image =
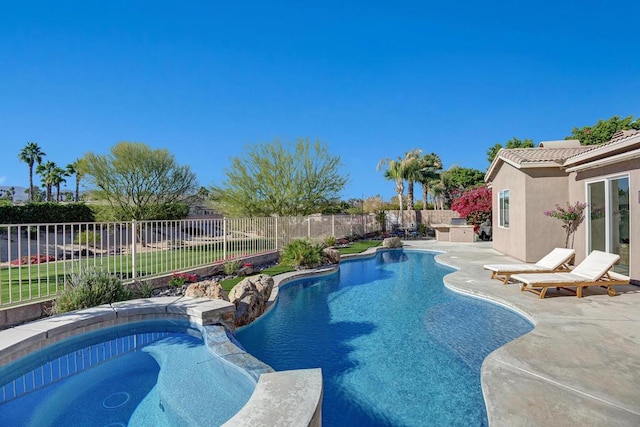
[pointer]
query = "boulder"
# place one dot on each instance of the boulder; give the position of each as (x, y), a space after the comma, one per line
(330, 256)
(392, 242)
(250, 298)
(245, 270)
(206, 289)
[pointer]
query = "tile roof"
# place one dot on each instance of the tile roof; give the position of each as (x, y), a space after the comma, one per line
(563, 156)
(522, 156)
(622, 135)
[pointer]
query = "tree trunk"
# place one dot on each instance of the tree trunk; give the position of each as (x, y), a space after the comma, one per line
(425, 193)
(31, 183)
(410, 196)
(400, 204)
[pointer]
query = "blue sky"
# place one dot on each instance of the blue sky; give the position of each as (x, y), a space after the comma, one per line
(371, 79)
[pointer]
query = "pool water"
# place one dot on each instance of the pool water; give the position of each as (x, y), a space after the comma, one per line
(143, 374)
(395, 346)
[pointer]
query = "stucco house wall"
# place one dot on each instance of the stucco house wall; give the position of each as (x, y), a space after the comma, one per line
(509, 240)
(531, 234)
(544, 189)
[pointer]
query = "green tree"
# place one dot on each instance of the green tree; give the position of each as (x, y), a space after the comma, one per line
(204, 193)
(57, 178)
(457, 179)
(8, 194)
(428, 173)
(138, 180)
(35, 194)
(396, 172)
(77, 169)
(373, 204)
(337, 206)
(603, 130)
(412, 168)
(299, 178)
(437, 190)
(512, 143)
(47, 172)
(31, 154)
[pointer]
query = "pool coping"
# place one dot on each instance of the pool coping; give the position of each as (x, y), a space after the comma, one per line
(20, 340)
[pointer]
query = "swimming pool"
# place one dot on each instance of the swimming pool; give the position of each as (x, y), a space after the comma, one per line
(158, 373)
(395, 346)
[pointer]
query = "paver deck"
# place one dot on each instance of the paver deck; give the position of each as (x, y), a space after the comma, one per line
(579, 366)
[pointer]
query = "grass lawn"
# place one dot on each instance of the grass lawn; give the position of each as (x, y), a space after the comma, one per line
(28, 282)
(358, 247)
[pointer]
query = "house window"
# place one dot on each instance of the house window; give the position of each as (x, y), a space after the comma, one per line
(608, 219)
(503, 209)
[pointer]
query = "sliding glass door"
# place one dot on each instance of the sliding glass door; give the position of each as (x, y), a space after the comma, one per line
(608, 218)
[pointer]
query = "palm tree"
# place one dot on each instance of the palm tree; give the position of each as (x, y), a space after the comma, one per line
(412, 166)
(428, 172)
(438, 191)
(76, 169)
(46, 172)
(58, 177)
(8, 194)
(396, 172)
(31, 154)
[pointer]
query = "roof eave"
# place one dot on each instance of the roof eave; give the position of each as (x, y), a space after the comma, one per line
(629, 155)
(543, 164)
(524, 165)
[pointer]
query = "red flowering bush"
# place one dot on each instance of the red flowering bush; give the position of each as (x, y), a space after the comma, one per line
(33, 259)
(474, 205)
(179, 279)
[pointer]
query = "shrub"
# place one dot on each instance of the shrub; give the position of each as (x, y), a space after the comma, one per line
(381, 218)
(143, 289)
(302, 254)
(89, 288)
(45, 213)
(474, 205)
(423, 230)
(231, 267)
(329, 241)
(571, 217)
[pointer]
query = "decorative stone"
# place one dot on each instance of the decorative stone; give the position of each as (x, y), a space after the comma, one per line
(392, 242)
(206, 289)
(250, 298)
(330, 256)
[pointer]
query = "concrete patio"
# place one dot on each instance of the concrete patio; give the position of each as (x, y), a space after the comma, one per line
(579, 366)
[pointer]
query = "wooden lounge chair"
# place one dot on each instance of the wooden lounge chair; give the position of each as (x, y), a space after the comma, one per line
(556, 260)
(593, 271)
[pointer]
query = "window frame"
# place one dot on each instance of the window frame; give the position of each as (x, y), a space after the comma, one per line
(503, 208)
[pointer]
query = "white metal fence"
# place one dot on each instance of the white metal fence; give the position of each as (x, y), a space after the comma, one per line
(36, 259)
